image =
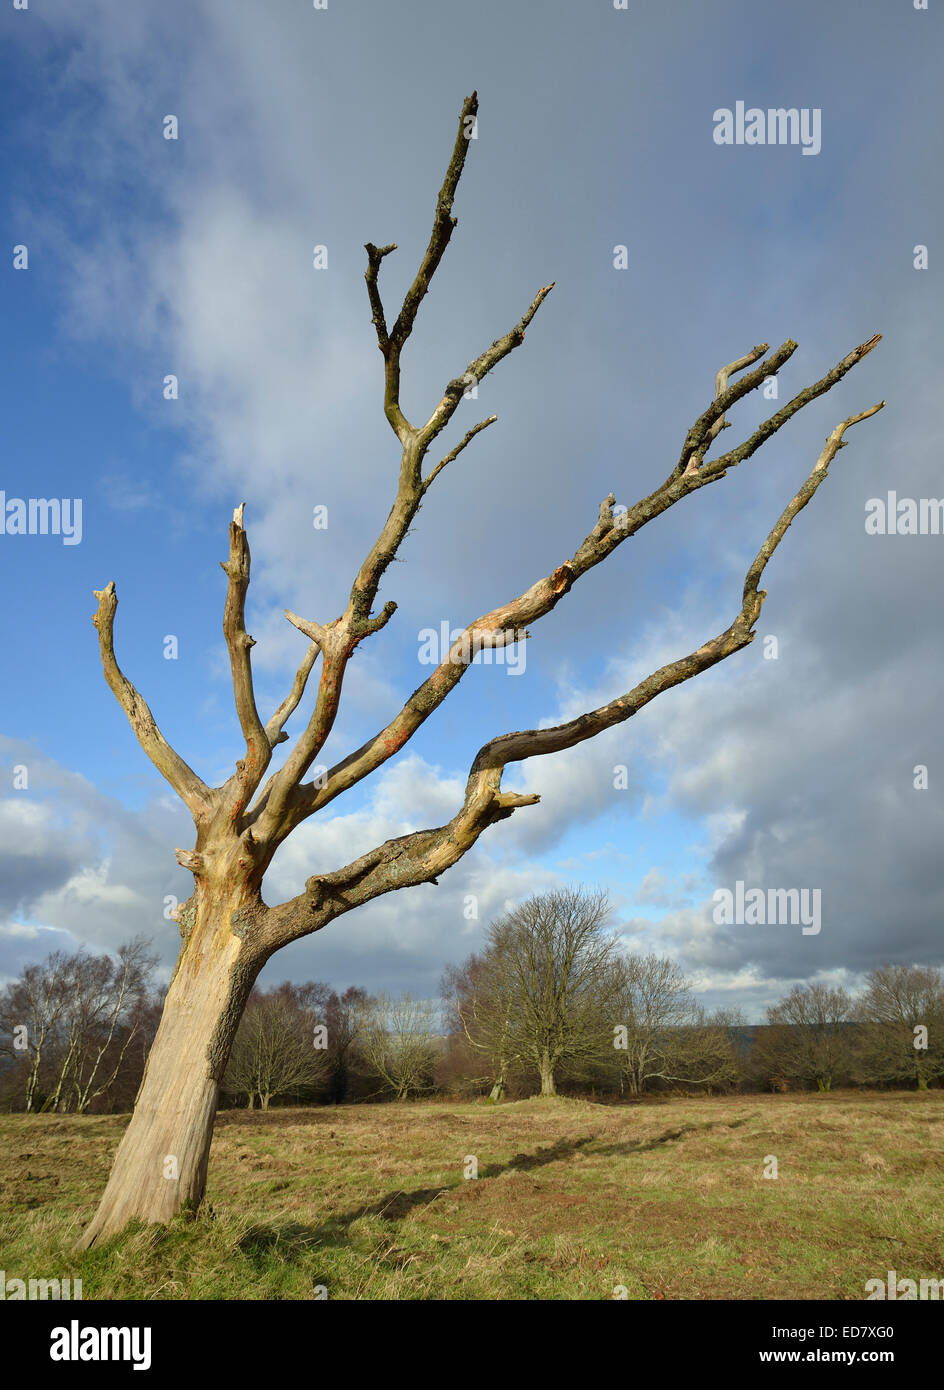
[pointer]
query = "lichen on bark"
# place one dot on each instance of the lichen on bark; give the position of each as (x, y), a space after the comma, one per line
(186, 919)
(241, 920)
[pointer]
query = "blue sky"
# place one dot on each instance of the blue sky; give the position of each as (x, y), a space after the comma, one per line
(300, 127)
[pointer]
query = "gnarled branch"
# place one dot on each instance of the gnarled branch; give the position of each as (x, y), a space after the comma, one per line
(239, 645)
(607, 533)
(193, 792)
(454, 453)
(391, 343)
(721, 386)
(510, 748)
(400, 863)
(338, 640)
(288, 706)
(479, 368)
(422, 855)
(717, 467)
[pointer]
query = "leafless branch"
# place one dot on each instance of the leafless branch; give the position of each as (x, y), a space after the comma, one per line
(514, 747)
(338, 640)
(721, 386)
(454, 453)
(718, 466)
(194, 793)
(288, 706)
(515, 616)
(478, 369)
(239, 645)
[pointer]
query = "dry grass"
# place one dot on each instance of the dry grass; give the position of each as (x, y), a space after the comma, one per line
(572, 1201)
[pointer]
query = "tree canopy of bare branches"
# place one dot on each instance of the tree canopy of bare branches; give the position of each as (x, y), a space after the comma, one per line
(72, 1021)
(663, 1035)
(541, 993)
(810, 1038)
(902, 1037)
(275, 1051)
(397, 1041)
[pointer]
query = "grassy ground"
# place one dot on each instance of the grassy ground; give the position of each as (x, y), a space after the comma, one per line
(572, 1201)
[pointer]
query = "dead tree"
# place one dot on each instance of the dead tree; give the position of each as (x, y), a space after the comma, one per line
(227, 931)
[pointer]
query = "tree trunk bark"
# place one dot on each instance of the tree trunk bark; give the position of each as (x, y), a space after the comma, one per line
(548, 1087)
(161, 1163)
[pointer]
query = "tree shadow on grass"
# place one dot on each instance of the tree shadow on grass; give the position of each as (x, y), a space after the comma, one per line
(560, 1152)
(670, 1136)
(293, 1238)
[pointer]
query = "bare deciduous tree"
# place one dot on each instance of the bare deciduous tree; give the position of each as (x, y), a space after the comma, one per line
(78, 1017)
(274, 1051)
(396, 1041)
(544, 992)
(30, 1010)
(480, 997)
(340, 1018)
(336, 1014)
(100, 1020)
(664, 1035)
(227, 931)
(711, 1056)
(902, 1038)
(809, 1038)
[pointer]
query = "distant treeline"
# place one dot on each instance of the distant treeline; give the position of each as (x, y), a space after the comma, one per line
(550, 1004)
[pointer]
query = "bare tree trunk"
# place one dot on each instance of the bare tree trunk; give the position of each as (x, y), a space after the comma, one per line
(55, 1101)
(548, 1087)
(161, 1163)
(31, 1081)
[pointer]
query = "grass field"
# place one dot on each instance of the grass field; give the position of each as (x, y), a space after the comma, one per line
(572, 1201)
